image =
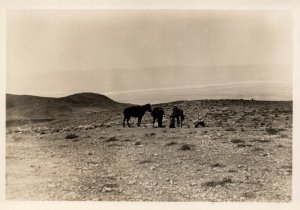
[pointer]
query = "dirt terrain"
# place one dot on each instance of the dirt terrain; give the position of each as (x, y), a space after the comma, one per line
(243, 154)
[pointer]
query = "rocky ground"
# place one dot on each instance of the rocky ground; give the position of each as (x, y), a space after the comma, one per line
(243, 154)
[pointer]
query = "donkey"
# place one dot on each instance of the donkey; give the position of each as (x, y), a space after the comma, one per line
(137, 112)
(158, 113)
(178, 114)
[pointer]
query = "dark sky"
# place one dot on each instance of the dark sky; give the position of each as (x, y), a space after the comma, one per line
(59, 52)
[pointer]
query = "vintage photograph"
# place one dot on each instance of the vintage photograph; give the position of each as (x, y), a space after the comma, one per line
(149, 105)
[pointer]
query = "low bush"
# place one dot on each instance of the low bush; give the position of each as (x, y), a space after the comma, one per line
(71, 136)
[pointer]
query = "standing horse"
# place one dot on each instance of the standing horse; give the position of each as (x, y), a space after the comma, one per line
(135, 111)
(158, 113)
(178, 114)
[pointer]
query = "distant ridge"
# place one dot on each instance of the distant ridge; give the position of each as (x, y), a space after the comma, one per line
(36, 107)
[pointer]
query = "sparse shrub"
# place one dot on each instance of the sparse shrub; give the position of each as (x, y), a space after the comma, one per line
(192, 132)
(171, 143)
(248, 195)
(216, 183)
(272, 131)
(113, 145)
(152, 134)
(279, 146)
(138, 143)
(219, 123)
(71, 136)
(242, 129)
(232, 171)
(261, 140)
(111, 139)
(237, 141)
(229, 129)
(284, 135)
(257, 149)
(217, 165)
(244, 145)
(145, 161)
(287, 118)
(185, 147)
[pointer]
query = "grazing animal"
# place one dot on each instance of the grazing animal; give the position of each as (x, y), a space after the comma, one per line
(199, 123)
(137, 112)
(158, 114)
(178, 114)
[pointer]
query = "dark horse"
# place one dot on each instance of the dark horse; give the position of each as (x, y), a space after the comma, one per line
(135, 111)
(178, 114)
(158, 113)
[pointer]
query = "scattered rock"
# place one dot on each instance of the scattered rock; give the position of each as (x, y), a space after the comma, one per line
(193, 184)
(132, 182)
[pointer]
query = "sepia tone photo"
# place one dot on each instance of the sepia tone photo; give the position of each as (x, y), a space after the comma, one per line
(149, 105)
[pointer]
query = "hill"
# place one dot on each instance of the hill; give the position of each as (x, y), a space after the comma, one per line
(28, 107)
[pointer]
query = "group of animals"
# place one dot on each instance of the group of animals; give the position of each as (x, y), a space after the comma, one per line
(157, 114)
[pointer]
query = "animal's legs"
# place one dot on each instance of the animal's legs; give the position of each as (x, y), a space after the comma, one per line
(181, 122)
(159, 122)
(139, 121)
(178, 121)
(128, 122)
(124, 122)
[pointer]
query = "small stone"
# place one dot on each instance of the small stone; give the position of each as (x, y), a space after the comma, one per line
(107, 189)
(285, 173)
(132, 182)
(193, 184)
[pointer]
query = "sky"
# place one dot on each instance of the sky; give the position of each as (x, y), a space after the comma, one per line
(137, 55)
